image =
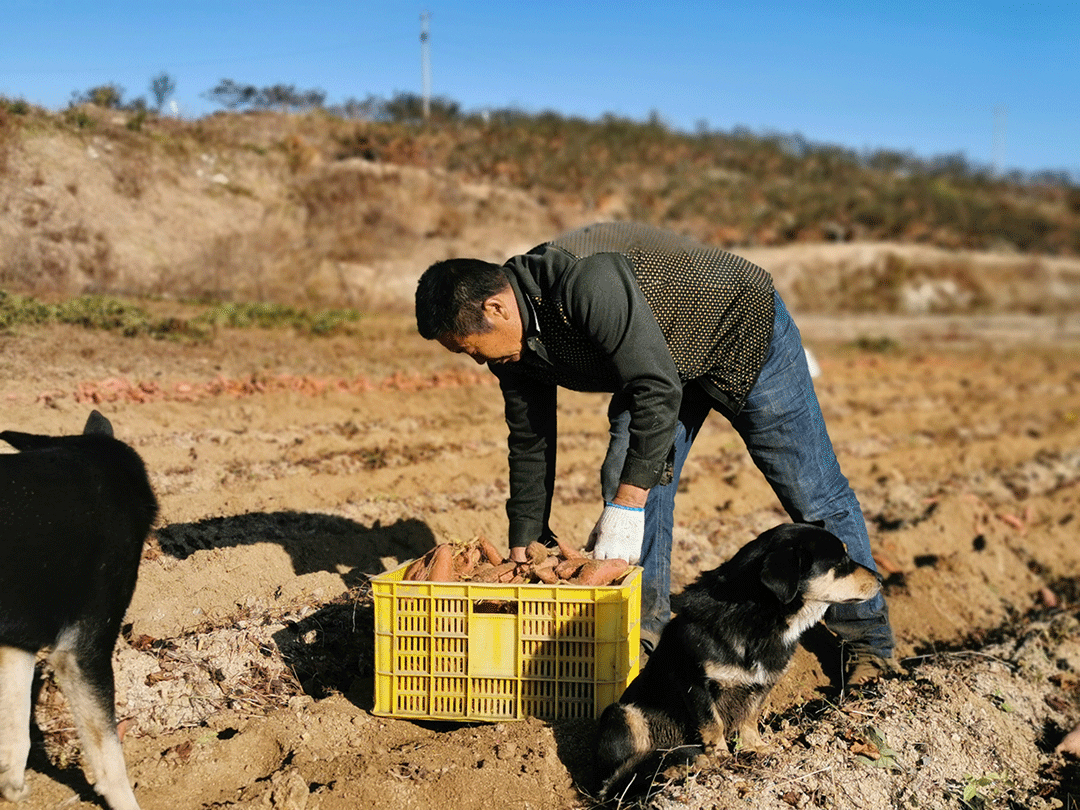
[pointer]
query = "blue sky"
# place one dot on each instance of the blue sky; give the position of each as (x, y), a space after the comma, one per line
(996, 82)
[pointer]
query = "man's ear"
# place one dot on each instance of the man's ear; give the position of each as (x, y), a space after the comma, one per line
(497, 307)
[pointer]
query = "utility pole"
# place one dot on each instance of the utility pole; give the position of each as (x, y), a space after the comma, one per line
(1000, 113)
(425, 61)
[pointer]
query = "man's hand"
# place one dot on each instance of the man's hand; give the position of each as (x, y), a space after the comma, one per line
(618, 533)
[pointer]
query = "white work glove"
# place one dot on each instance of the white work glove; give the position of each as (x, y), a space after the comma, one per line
(618, 533)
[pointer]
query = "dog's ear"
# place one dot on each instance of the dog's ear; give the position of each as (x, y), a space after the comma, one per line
(780, 573)
(98, 425)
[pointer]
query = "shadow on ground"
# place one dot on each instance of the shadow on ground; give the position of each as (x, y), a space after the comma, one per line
(315, 542)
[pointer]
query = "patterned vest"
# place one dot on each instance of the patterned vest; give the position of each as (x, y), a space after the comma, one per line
(714, 309)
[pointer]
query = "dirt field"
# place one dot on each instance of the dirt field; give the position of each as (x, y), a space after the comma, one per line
(290, 468)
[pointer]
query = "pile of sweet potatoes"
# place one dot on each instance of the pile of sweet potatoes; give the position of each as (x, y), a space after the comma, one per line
(479, 561)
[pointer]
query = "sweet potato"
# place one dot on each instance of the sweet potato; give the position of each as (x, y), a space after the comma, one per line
(442, 564)
(549, 562)
(567, 568)
(418, 568)
(600, 572)
(492, 574)
(545, 570)
(480, 571)
(490, 552)
(537, 552)
(569, 552)
(465, 561)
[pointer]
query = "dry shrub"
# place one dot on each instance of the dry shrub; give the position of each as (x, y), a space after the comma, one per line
(29, 266)
(352, 216)
(8, 129)
(894, 283)
(132, 175)
(300, 154)
(68, 260)
(276, 262)
(232, 266)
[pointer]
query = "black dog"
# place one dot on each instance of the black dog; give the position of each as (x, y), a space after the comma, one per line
(74, 512)
(733, 635)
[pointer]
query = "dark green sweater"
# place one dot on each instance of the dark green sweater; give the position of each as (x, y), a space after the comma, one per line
(632, 309)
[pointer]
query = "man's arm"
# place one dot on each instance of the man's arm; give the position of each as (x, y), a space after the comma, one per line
(631, 496)
(531, 418)
(603, 299)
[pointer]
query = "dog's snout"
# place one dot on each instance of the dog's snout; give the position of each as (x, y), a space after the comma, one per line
(844, 584)
(866, 583)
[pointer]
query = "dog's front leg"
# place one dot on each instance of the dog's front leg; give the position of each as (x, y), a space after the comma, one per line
(714, 736)
(707, 718)
(16, 682)
(714, 741)
(747, 728)
(750, 739)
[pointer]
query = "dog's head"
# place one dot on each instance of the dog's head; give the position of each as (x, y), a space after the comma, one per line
(799, 558)
(96, 425)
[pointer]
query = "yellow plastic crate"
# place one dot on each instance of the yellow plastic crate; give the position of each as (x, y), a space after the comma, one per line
(477, 651)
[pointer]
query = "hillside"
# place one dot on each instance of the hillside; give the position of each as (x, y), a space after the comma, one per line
(318, 210)
(293, 462)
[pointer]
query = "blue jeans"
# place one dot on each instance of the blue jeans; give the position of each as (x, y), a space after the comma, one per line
(784, 431)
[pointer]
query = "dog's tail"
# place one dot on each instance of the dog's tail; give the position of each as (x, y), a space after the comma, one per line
(628, 752)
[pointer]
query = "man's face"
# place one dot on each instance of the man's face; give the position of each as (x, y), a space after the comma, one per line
(502, 343)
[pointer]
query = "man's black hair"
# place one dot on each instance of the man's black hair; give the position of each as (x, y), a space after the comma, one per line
(450, 297)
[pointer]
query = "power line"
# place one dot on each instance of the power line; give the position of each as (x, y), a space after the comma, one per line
(425, 60)
(1001, 112)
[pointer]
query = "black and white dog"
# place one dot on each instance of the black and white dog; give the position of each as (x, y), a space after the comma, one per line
(733, 636)
(74, 513)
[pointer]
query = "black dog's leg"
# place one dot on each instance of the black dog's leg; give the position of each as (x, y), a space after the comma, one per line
(708, 720)
(16, 681)
(83, 666)
(747, 727)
